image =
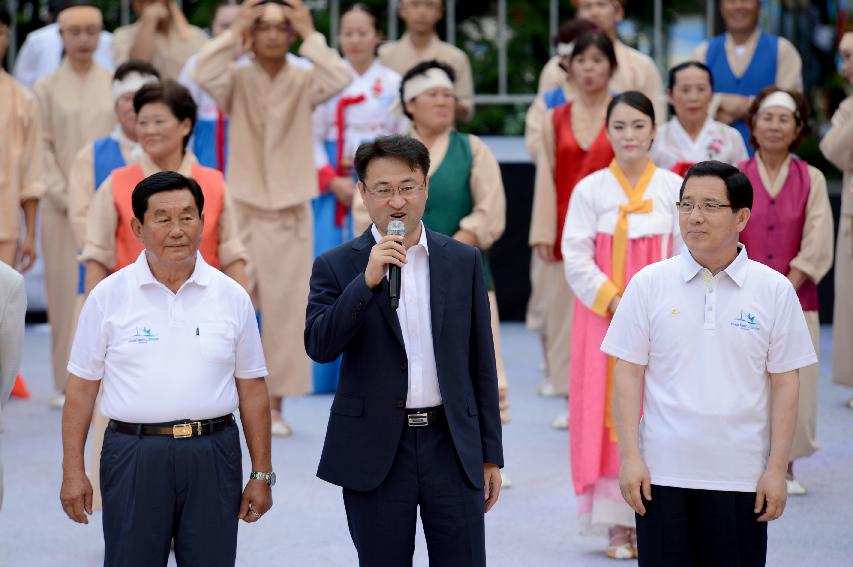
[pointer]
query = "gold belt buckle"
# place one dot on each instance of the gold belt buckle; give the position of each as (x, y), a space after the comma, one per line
(184, 430)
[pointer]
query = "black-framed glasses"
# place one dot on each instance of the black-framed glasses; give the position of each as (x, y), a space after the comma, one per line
(706, 208)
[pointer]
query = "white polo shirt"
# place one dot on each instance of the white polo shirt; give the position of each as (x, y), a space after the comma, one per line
(708, 343)
(167, 356)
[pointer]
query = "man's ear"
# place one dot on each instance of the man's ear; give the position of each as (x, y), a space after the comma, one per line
(136, 227)
(743, 218)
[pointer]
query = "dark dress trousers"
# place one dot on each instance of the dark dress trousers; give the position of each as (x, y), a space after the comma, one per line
(368, 443)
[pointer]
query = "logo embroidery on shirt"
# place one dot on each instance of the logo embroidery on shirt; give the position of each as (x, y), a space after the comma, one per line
(675, 312)
(143, 337)
(746, 321)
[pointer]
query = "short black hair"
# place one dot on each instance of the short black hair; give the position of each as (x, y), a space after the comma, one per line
(686, 65)
(738, 186)
(598, 39)
(135, 66)
(5, 18)
(398, 146)
(634, 99)
(421, 69)
(65, 4)
(172, 94)
(369, 11)
(163, 181)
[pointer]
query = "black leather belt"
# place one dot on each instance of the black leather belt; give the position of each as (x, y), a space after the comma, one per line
(424, 416)
(178, 429)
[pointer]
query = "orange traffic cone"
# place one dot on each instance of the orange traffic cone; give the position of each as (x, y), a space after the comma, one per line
(19, 390)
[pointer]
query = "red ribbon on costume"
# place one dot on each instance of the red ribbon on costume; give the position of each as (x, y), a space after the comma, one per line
(220, 140)
(681, 167)
(343, 103)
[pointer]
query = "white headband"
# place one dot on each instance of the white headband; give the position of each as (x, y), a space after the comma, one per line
(779, 98)
(432, 78)
(565, 49)
(131, 83)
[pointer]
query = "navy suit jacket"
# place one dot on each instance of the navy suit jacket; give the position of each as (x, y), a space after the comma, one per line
(368, 413)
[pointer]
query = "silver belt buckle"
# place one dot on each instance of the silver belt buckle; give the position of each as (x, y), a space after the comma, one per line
(418, 419)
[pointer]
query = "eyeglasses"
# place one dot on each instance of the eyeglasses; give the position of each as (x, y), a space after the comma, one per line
(387, 193)
(706, 208)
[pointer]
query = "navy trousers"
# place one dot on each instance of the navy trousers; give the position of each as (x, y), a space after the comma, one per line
(699, 528)
(427, 473)
(155, 488)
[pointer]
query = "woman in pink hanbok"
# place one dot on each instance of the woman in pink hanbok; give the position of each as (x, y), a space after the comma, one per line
(621, 219)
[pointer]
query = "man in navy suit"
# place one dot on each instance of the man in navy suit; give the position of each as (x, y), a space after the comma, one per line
(415, 419)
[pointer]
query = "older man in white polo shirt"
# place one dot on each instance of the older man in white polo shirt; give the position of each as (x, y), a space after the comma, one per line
(176, 344)
(710, 344)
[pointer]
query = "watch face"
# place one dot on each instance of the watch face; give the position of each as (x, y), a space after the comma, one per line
(272, 479)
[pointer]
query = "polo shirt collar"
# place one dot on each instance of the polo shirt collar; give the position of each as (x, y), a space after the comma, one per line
(736, 270)
(421, 242)
(144, 276)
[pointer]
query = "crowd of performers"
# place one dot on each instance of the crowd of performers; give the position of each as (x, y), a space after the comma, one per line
(270, 137)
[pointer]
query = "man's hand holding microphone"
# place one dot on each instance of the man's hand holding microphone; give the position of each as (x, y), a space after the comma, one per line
(388, 252)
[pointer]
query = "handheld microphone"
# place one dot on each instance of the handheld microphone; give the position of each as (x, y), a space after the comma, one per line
(395, 228)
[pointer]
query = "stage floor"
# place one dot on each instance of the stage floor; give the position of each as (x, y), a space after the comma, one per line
(532, 525)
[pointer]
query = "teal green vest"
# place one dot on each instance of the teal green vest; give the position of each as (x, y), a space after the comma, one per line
(450, 193)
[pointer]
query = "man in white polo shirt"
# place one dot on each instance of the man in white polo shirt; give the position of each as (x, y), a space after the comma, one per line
(177, 346)
(710, 344)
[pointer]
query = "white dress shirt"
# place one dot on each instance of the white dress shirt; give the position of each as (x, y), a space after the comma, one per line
(42, 53)
(415, 316)
(165, 356)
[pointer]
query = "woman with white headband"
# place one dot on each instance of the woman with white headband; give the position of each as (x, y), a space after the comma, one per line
(76, 107)
(356, 115)
(466, 193)
(790, 230)
(692, 135)
(574, 144)
(620, 219)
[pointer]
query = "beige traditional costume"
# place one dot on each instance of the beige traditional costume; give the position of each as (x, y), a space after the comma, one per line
(20, 160)
(75, 109)
(272, 179)
(837, 147)
(171, 49)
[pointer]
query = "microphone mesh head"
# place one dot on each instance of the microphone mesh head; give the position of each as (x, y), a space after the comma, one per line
(396, 228)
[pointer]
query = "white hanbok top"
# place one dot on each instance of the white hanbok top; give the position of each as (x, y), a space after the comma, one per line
(367, 120)
(716, 141)
(594, 211)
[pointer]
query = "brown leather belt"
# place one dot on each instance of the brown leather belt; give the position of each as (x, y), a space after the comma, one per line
(179, 429)
(424, 417)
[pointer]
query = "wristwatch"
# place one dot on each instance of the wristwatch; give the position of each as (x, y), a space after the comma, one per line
(267, 477)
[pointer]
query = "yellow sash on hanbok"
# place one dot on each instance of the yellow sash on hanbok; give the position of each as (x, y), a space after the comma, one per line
(636, 204)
